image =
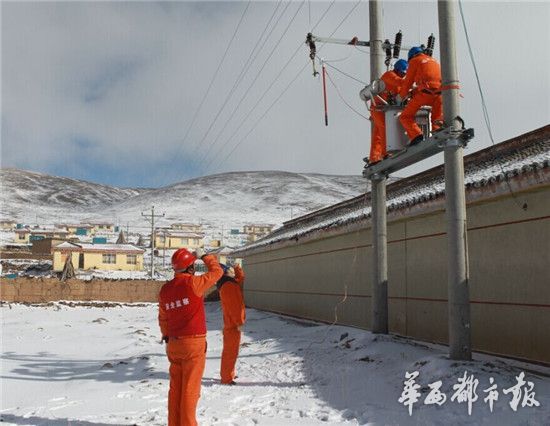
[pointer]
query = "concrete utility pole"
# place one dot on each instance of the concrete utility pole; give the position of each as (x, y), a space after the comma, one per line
(378, 190)
(151, 219)
(455, 198)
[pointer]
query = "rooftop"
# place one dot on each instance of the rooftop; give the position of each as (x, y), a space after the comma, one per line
(127, 248)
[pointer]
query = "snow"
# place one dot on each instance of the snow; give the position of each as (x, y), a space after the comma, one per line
(110, 247)
(229, 200)
(101, 363)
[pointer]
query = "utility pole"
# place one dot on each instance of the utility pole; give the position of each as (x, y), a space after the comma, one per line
(151, 219)
(378, 190)
(163, 247)
(455, 198)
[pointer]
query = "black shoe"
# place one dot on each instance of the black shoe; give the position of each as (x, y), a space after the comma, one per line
(231, 383)
(416, 140)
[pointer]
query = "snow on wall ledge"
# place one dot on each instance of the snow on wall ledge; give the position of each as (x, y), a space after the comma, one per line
(524, 154)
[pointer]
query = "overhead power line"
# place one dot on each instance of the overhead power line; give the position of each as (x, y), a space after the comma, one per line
(240, 78)
(484, 106)
(265, 92)
(343, 99)
(287, 87)
(205, 96)
(259, 72)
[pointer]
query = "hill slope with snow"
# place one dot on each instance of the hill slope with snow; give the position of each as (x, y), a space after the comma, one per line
(228, 199)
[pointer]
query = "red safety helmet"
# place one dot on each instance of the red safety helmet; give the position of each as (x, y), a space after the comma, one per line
(182, 259)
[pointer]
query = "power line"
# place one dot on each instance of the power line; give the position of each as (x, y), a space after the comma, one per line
(246, 117)
(484, 105)
(343, 100)
(472, 59)
(265, 113)
(289, 85)
(265, 92)
(259, 72)
(245, 69)
(342, 72)
(205, 96)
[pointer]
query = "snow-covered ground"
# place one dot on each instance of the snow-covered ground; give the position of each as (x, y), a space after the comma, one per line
(95, 365)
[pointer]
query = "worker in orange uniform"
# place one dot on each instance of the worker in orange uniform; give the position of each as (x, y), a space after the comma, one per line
(183, 325)
(230, 287)
(392, 80)
(425, 72)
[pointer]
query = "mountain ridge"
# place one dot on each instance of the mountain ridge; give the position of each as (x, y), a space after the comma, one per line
(230, 199)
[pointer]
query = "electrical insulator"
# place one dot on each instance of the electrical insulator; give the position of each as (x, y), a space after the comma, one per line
(388, 52)
(397, 44)
(431, 44)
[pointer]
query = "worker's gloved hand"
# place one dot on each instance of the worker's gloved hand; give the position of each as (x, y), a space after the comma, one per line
(199, 253)
(230, 272)
(164, 339)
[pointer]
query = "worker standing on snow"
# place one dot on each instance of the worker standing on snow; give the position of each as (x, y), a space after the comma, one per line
(425, 72)
(183, 325)
(230, 287)
(392, 80)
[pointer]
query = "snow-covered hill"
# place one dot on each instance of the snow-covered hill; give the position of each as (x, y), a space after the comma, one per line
(26, 195)
(228, 200)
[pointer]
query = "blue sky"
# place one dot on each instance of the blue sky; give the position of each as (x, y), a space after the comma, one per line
(107, 91)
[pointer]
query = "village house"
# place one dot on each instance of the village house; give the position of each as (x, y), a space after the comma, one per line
(256, 231)
(106, 257)
(102, 226)
(187, 227)
(26, 235)
(222, 253)
(7, 224)
(45, 246)
(78, 230)
(175, 240)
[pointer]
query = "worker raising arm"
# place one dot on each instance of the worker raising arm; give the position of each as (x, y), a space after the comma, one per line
(231, 296)
(182, 322)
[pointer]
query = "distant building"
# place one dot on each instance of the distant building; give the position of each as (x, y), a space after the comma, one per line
(215, 243)
(176, 240)
(79, 230)
(222, 253)
(106, 257)
(8, 224)
(26, 235)
(46, 245)
(103, 226)
(256, 231)
(186, 227)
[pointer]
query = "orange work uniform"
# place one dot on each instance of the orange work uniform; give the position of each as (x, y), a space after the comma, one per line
(234, 316)
(378, 141)
(182, 320)
(425, 71)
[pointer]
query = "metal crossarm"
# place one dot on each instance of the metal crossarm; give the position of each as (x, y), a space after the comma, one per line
(413, 154)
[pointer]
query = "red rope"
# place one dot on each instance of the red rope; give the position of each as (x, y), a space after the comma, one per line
(325, 93)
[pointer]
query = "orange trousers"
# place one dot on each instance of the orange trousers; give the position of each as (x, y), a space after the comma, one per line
(418, 100)
(231, 343)
(187, 358)
(378, 140)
